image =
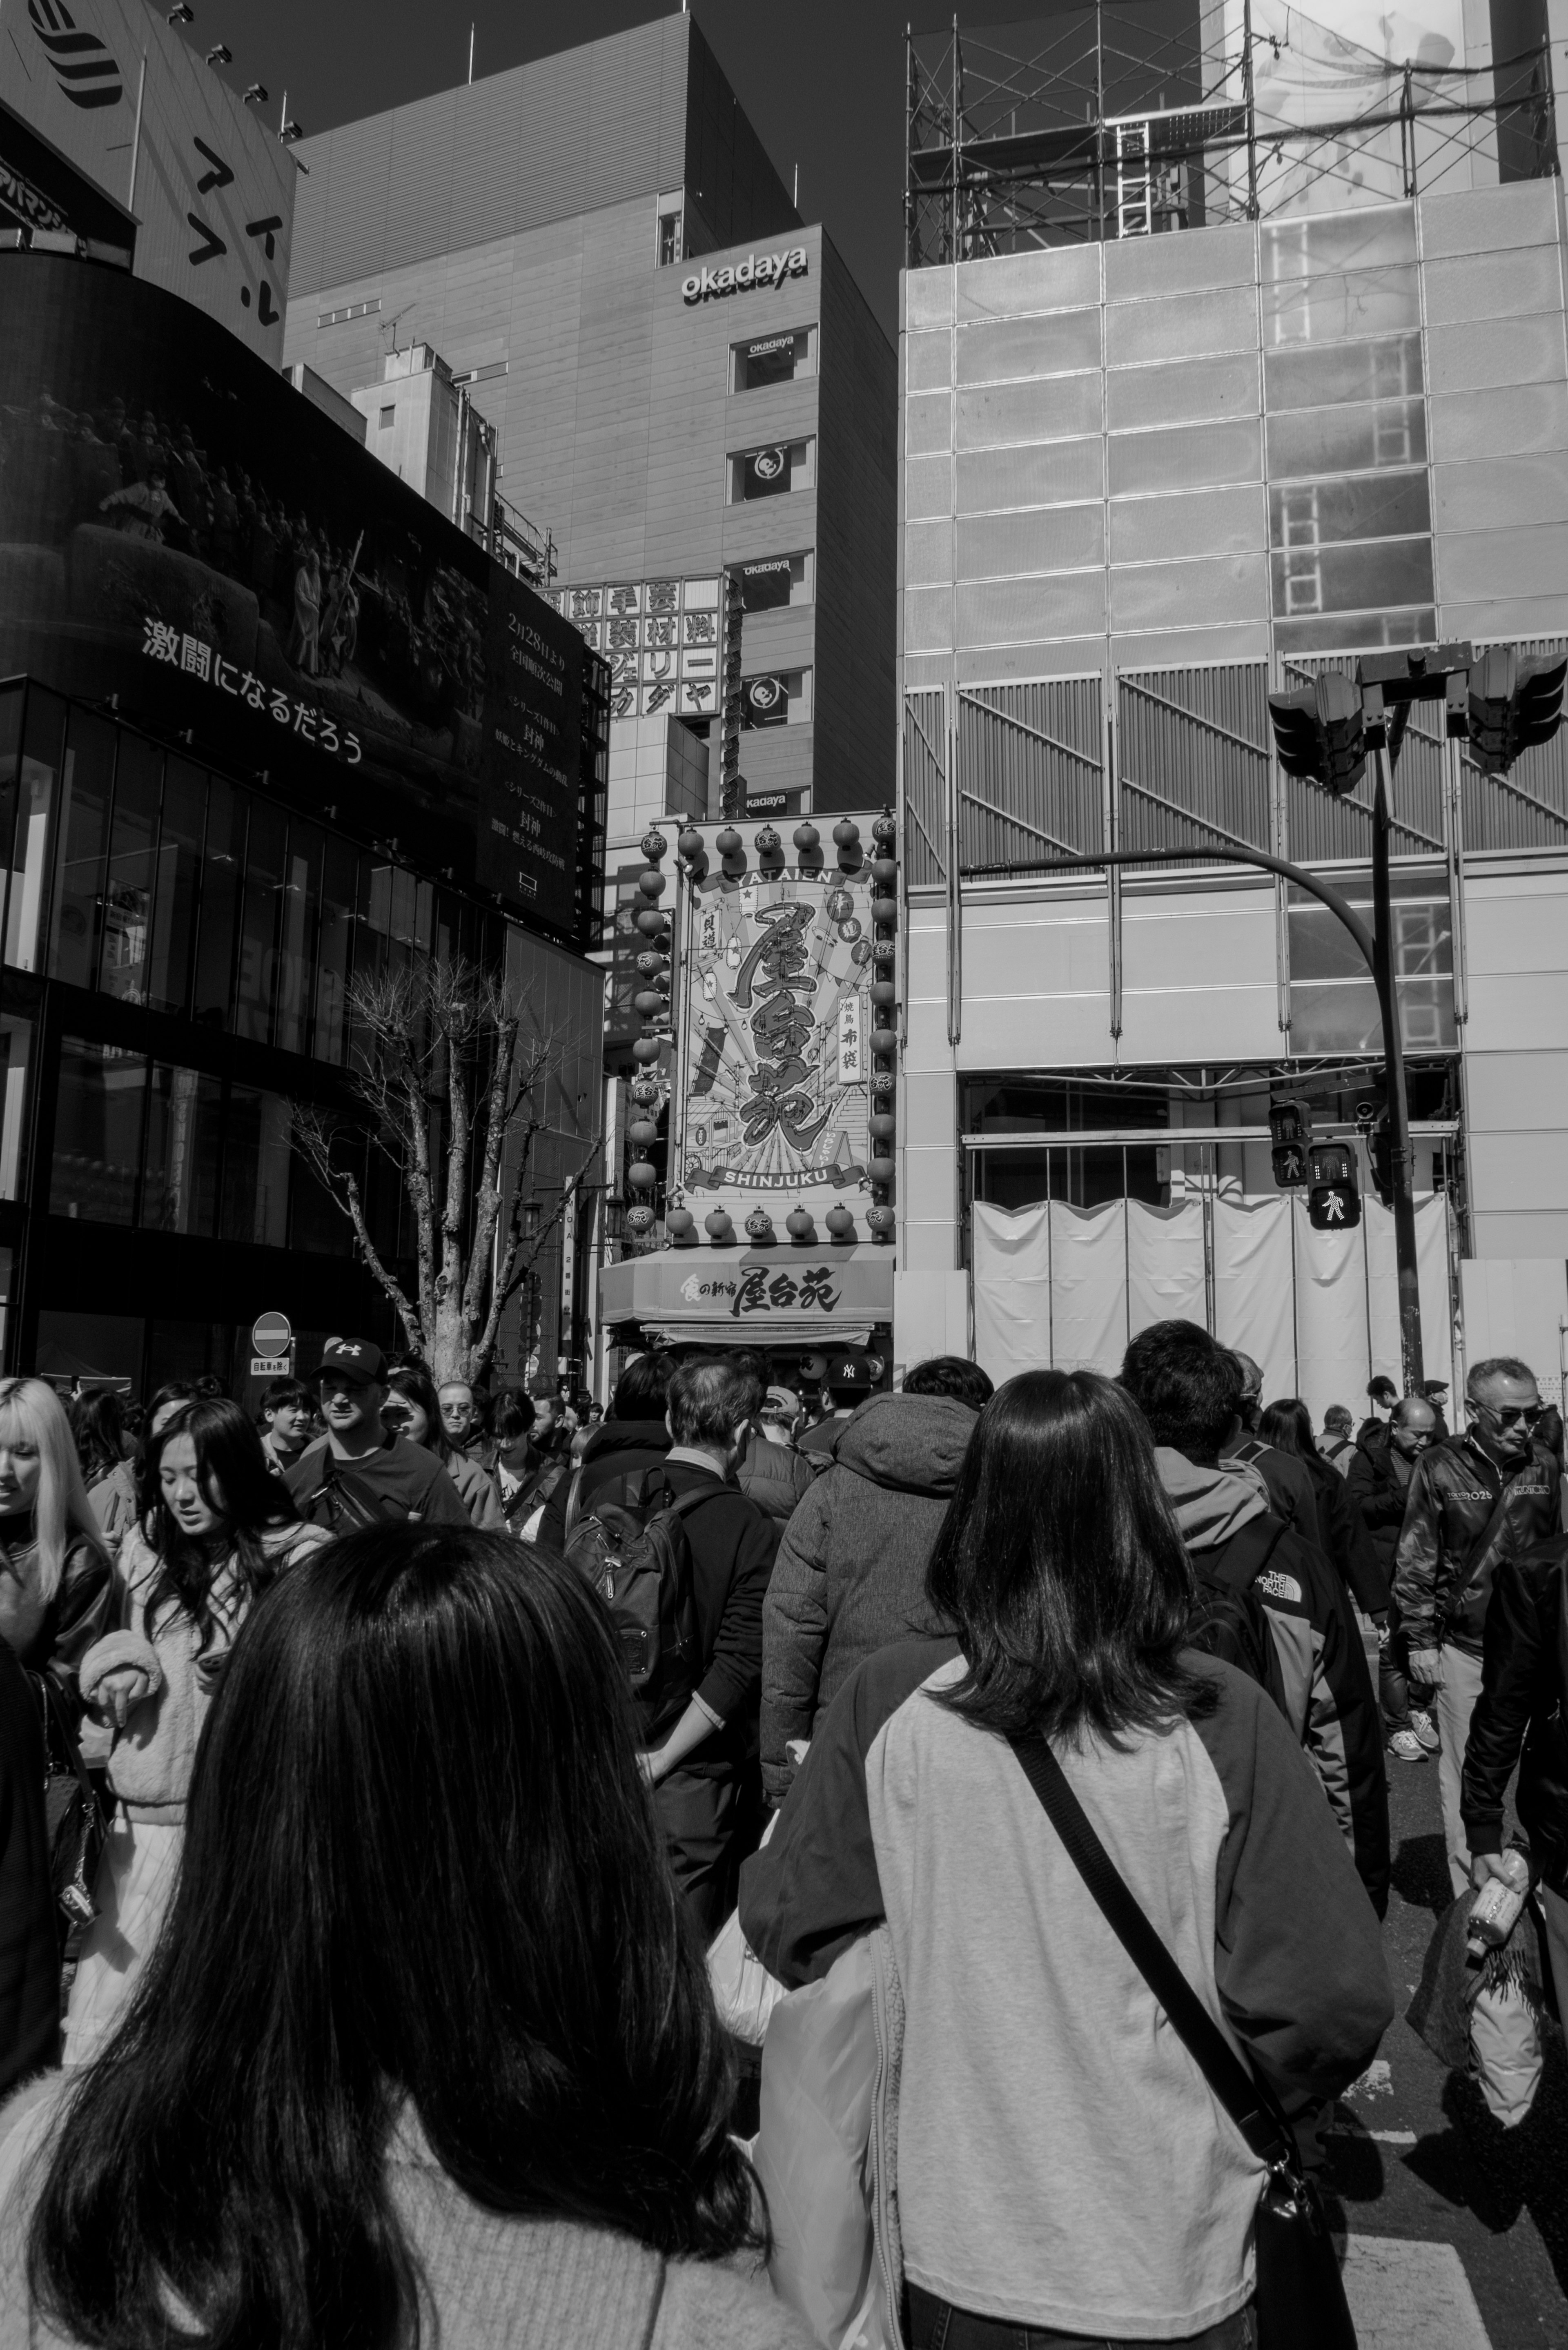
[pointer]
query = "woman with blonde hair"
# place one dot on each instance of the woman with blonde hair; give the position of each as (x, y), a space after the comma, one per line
(55, 1592)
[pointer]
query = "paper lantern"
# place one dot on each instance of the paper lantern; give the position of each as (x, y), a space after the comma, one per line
(807, 837)
(654, 846)
(840, 1222)
(641, 1176)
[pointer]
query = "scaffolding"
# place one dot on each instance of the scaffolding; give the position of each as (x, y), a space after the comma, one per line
(1162, 115)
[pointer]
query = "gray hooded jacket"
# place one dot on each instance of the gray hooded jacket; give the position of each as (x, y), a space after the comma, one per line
(851, 1569)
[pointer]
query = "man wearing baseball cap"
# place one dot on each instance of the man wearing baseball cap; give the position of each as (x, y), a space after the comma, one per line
(360, 1473)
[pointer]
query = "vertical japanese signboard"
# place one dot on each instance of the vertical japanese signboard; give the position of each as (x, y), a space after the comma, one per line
(772, 1089)
(112, 86)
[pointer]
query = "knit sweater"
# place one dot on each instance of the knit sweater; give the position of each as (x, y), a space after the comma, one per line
(489, 2281)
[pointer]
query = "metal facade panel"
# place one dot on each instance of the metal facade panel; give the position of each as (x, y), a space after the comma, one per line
(1031, 772)
(925, 766)
(1193, 757)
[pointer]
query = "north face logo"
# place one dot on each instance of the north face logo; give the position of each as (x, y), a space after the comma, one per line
(1279, 1586)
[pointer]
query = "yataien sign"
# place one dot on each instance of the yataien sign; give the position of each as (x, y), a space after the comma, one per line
(757, 269)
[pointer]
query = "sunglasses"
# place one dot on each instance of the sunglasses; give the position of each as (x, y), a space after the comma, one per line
(1514, 1415)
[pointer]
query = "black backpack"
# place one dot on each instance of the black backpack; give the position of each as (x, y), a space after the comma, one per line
(632, 1545)
(1230, 1622)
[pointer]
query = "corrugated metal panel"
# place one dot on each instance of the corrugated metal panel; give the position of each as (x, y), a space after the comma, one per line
(1031, 772)
(924, 815)
(1528, 807)
(1192, 757)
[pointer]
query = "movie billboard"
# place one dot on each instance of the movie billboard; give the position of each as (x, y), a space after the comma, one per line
(774, 1080)
(182, 529)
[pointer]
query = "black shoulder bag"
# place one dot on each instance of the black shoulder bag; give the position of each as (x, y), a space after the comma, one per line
(1300, 2303)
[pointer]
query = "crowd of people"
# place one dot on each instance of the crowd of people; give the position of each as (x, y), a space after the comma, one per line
(418, 1807)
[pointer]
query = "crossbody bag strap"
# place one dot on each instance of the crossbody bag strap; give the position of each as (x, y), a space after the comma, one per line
(1486, 1537)
(1244, 2098)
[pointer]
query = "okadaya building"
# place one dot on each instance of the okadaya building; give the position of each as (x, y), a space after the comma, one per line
(268, 722)
(1146, 476)
(688, 390)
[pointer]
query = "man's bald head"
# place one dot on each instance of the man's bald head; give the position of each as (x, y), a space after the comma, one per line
(1414, 1424)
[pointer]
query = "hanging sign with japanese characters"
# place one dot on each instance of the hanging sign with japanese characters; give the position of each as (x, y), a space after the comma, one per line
(773, 1090)
(663, 640)
(115, 89)
(181, 528)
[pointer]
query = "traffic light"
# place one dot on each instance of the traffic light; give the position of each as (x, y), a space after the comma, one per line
(1321, 732)
(1333, 1202)
(1289, 1133)
(1512, 705)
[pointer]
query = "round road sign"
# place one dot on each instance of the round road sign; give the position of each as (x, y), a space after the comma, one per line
(271, 1333)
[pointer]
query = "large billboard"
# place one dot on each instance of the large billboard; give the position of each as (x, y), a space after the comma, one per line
(180, 529)
(773, 1079)
(114, 88)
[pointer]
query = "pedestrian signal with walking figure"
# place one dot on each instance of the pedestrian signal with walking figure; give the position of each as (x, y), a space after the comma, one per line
(1333, 1200)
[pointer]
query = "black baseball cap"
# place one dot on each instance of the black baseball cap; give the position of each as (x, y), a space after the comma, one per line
(360, 1359)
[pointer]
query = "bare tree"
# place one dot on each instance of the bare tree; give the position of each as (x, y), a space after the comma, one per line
(456, 1075)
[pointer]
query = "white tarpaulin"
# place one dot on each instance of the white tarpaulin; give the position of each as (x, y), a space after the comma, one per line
(1068, 1286)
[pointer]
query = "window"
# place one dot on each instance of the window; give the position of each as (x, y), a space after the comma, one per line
(42, 753)
(338, 882)
(15, 1052)
(184, 1124)
(259, 906)
(778, 698)
(769, 472)
(773, 359)
(127, 894)
(255, 1169)
(388, 417)
(84, 827)
(221, 857)
(296, 942)
(98, 1111)
(1334, 1003)
(179, 873)
(671, 242)
(778, 581)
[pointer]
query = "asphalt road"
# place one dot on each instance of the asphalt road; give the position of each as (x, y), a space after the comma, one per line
(1436, 2198)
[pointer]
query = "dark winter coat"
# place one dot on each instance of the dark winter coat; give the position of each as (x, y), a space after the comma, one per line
(1524, 1687)
(1346, 1539)
(851, 1569)
(1443, 1579)
(774, 1476)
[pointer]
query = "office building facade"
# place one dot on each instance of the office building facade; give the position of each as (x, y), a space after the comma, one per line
(269, 724)
(1170, 440)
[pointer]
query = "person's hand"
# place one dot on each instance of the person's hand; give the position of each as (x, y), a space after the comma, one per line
(1426, 1667)
(119, 1692)
(1488, 1864)
(652, 1766)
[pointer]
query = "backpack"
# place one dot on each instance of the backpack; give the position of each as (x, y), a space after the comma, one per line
(632, 1546)
(1230, 1622)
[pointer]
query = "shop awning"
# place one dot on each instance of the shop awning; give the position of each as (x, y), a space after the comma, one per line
(785, 1295)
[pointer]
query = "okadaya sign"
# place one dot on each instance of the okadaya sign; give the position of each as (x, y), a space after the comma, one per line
(757, 269)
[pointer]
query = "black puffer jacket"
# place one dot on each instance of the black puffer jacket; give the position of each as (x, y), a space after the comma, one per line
(1442, 1582)
(1524, 1689)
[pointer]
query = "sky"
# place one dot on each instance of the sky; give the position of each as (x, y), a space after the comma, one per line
(821, 81)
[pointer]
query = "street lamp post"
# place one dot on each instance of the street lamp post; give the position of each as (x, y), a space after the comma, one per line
(1402, 1164)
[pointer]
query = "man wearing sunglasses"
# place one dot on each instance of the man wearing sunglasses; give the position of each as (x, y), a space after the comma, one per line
(1475, 1499)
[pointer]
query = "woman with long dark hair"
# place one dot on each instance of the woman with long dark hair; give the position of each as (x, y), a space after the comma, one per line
(97, 1423)
(425, 2052)
(220, 1528)
(1061, 2163)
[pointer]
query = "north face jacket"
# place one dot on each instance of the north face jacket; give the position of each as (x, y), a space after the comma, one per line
(1519, 1716)
(1442, 1578)
(851, 1570)
(1325, 1689)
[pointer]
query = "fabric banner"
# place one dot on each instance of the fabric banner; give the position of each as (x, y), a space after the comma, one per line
(1011, 1290)
(1165, 1263)
(1255, 1284)
(1319, 1311)
(1089, 1285)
